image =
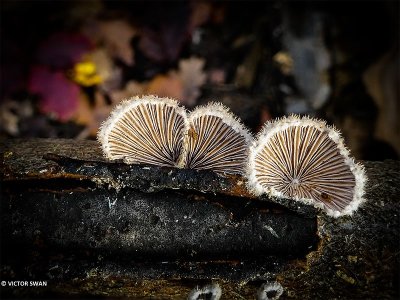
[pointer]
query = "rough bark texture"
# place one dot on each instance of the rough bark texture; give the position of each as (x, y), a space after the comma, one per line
(93, 227)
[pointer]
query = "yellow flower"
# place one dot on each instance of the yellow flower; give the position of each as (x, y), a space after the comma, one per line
(85, 74)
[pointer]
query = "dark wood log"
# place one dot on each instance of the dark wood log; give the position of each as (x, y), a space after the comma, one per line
(94, 227)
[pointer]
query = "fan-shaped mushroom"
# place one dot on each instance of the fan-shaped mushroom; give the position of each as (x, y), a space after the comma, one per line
(145, 130)
(157, 131)
(216, 140)
(306, 160)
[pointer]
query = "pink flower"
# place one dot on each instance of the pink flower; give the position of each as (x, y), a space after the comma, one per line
(59, 96)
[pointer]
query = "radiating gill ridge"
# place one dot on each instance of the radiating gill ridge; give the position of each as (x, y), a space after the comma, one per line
(147, 130)
(304, 159)
(216, 140)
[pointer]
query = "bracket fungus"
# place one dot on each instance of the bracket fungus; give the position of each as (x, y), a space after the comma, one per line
(306, 160)
(158, 131)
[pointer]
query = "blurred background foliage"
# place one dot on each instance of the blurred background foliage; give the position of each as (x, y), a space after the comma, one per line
(66, 64)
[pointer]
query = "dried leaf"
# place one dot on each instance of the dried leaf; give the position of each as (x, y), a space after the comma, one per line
(183, 84)
(193, 77)
(91, 116)
(284, 61)
(117, 36)
(381, 80)
(107, 70)
(170, 85)
(164, 45)
(11, 112)
(132, 88)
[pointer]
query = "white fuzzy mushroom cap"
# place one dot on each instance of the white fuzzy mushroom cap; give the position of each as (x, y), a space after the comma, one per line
(304, 159)
(219, 110)
(145, 129)
(216, 140)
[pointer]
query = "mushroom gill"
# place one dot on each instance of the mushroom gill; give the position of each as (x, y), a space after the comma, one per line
(216, 141)
(306, 160)
(157, 131)
(146, 130)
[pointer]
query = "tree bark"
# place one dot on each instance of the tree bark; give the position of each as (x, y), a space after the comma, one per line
(95, 227)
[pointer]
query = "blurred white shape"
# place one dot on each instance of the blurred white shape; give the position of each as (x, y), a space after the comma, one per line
(212, 291)
(311, 60)
(270, 291)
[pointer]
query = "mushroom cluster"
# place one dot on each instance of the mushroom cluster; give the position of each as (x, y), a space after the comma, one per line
(158, 131)
(297, 158)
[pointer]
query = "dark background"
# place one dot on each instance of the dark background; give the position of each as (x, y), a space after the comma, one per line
(65, 64)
